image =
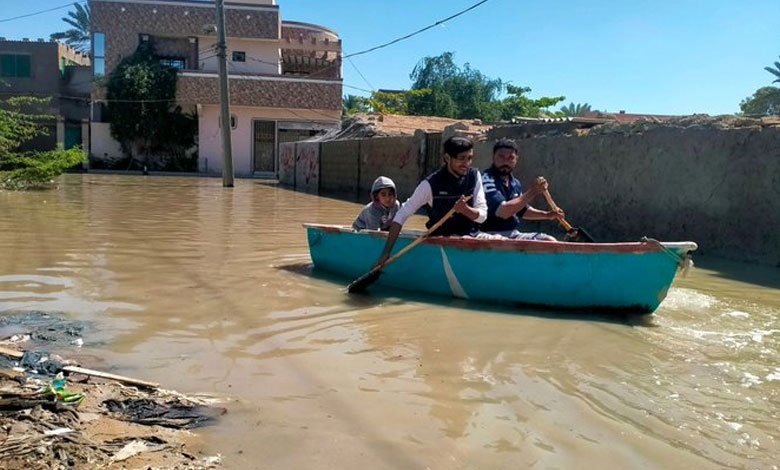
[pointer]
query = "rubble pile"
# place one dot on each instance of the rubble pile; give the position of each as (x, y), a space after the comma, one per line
(56, 415)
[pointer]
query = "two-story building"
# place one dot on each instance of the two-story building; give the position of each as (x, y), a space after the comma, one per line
(49, 69)
(284, 76)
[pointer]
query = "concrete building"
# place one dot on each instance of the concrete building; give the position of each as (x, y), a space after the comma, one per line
(285, 77)
(48, 69)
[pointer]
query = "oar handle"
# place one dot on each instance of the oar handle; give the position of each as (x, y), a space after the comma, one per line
(420, 239)
(566, 226)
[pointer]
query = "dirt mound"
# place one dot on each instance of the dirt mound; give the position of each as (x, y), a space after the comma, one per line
(703, 121)
(366, 125)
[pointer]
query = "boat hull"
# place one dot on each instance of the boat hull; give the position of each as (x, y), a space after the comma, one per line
(616, 276)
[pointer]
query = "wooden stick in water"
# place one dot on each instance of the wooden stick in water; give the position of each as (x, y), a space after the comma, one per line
(90, 372)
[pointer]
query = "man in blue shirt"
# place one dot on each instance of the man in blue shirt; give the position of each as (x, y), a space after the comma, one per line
(506, 201)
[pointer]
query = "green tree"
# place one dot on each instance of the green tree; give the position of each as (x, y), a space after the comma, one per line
(575, 109)
(352, 104)
(141, 94)
(395, 102)
(449, 90)
(457, 92)
(774, 71)
(22, 119)
(764, 102)
(79, 35)
(517, 104)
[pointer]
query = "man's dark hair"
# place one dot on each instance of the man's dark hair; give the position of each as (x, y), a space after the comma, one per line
(457, 144)
(504, 143)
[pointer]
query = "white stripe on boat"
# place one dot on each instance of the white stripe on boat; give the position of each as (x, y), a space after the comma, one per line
(455, 287)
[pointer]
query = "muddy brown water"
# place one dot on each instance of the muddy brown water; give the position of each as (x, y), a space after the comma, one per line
(211, 290)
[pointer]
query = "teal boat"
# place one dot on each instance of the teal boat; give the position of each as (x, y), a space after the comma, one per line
(631, 277)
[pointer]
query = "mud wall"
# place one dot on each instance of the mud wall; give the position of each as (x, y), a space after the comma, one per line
(396, 157)
(717, 187)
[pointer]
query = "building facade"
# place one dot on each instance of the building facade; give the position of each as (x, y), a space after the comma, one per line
(48, 69)
(284, 77)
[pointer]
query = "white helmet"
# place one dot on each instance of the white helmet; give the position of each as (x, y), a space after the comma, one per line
(381, 183)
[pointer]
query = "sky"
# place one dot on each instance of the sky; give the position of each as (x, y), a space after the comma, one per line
(641, 56)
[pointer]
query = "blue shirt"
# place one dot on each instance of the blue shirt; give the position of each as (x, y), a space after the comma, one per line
(496, 193)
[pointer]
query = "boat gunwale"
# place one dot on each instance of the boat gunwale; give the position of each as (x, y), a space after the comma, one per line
(522, 246)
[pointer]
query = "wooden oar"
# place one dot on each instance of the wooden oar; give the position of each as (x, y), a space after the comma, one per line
(361, 284)
(576, 234)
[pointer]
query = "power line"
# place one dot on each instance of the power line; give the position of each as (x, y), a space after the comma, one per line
(356, 88)
(360, 73)
(39, 12)
(394, 41)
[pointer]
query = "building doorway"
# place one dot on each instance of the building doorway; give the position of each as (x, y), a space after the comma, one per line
(264, 147)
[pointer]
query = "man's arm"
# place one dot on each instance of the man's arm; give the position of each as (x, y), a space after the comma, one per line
(478, 213)
(421, 196)
(392, 236)
(535, 214)
(513, 206)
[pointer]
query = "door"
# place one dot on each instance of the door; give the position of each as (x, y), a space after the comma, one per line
(72, 136)
(433, 153)
(264, 146)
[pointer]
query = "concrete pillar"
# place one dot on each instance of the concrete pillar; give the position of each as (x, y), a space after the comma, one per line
(60, 132)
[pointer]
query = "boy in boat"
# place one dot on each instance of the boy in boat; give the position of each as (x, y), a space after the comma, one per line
(506, 201)
(455, 185)
(379, 213)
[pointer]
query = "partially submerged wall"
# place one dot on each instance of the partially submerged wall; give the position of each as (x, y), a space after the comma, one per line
(719, 187)
(395, 157)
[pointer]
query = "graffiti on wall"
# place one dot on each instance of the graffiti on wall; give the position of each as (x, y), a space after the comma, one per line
(307, 167)
(287, 163)
(307, 159)
(386, 159)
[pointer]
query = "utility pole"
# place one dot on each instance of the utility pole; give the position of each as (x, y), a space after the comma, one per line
(224, 98)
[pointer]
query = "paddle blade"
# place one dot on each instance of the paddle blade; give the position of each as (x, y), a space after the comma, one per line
(578, 234)
(361, 284)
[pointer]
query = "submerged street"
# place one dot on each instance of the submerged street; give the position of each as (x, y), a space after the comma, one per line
(211, 290)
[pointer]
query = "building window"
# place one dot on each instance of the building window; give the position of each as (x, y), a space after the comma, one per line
(233, 121)
(99, 54)
(15, 66)
(239, 56)
(177, 63)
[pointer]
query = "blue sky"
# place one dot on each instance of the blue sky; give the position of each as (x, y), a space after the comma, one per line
(641, 56)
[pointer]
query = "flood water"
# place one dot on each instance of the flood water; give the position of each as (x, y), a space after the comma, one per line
(211, 290)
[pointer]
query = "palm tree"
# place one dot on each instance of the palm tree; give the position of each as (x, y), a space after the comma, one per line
(79, 36)
(774, 71)
(352, 104)
(575, 109)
